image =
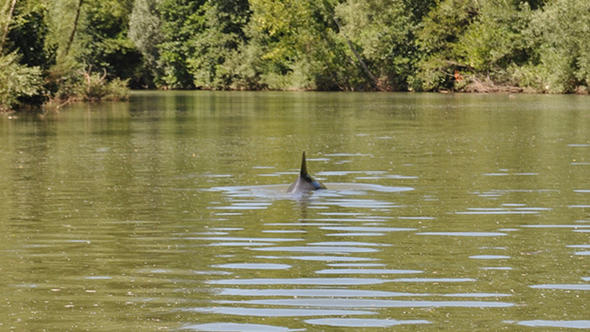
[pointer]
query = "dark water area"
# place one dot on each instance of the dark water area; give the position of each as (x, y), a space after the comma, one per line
(170, 212)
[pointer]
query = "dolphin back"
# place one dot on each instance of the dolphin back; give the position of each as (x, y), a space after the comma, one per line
(304, 182)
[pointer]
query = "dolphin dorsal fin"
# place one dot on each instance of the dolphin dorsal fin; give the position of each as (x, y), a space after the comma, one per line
(304, 182)
(303, 171)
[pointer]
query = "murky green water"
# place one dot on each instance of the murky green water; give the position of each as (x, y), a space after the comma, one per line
(443, 212)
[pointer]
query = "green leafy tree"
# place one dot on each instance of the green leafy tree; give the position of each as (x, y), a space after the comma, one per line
(180, 21)
(6, 19)
(24, 29)
(382, 32)
(299, 45)
(441, 30)
(103, 41)
(82, 46)
(563, 65)
(200, 42)
(217, 42)
(93, 34)
(145, 32)
(495, 40)
(18, 83)
(64, 20)
(419, 8)
(22, 53)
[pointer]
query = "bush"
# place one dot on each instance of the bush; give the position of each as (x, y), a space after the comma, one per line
(69, 82)
(117, 89)
(62, 80)
(17, 82)
(95, 87)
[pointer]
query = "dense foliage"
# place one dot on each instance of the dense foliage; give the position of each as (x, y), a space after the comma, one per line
(18, 82)
(56, 47)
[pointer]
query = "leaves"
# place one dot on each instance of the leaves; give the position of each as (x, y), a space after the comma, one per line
(294, 44)
(17, 81)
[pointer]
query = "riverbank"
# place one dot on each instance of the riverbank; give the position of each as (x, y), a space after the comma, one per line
(475, 87)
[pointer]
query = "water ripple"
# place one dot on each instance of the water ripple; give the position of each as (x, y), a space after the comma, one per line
(556, 226)
(240, 244)
(246, 239)
(489, 257)
(318, 249)
(315, 292)
(363, 322)
(322, 258)
(584, 287)
(340, 292)
(433, 280)
(367, 229)
(299, 281)
(349, 243)
(572, 324)
(367, 271)
(370, 303)
(331, 281)
(476, 234)
(253, 266)
(267, 312)
(355, 234)
(232, 327)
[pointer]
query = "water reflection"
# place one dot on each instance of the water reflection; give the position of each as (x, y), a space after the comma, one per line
(171, 212)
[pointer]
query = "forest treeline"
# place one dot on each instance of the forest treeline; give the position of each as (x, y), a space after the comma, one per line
(60, 50)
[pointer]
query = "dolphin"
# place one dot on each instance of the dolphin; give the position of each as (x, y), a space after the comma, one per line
(304, 182)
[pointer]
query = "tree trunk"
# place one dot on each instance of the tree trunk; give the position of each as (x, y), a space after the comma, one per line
(7, 26)
(74, 28)
(360, 60)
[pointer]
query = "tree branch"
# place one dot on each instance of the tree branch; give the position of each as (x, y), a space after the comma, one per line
(74, 28)
(7, 26)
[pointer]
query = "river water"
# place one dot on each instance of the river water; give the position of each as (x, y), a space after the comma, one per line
(170, 212)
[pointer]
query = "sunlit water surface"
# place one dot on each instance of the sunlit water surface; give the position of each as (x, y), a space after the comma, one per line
(170, 212)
